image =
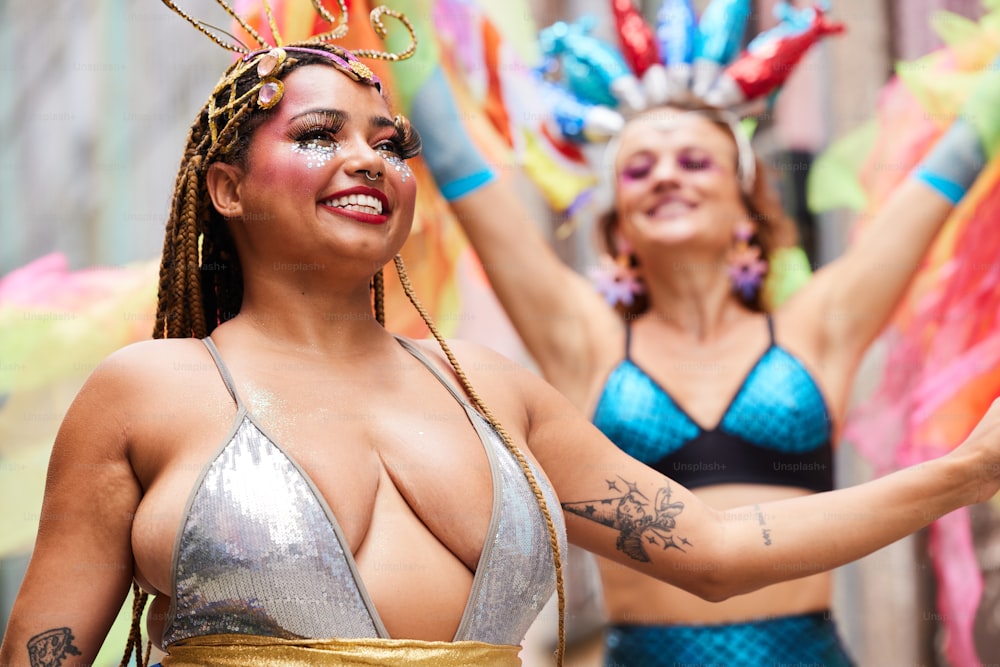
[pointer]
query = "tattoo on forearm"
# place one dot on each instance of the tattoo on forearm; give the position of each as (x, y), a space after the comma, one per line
(765, 532)
(51, 647)
(639, 523)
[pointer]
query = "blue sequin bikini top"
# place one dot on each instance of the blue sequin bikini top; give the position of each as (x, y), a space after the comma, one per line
(776, 430)
(260, 552)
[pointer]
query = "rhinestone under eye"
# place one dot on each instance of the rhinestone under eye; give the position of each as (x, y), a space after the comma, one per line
(316, 154)
(399, 164)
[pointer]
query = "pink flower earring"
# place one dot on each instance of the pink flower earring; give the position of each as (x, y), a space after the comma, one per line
(746, 268)
(616, 280)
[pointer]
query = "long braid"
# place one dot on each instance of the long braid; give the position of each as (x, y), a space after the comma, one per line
(378, 287)
(169, 317)
(180, 323)
(190, 278)
(139, 598)
(166, 311)
(220, 275)
(167, 258)
(188, 305)
(173, 316)
(508, 442)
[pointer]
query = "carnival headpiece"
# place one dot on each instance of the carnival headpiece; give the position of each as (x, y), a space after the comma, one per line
(270, 58)
(592, 87)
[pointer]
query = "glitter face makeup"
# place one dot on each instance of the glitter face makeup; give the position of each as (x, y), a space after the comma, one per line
(399, 164)
(315, 136)
(317, 153)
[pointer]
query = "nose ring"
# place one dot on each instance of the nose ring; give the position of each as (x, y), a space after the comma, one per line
(368, 175)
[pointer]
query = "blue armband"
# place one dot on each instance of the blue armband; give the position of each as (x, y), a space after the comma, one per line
(452, 157)
(954, 162)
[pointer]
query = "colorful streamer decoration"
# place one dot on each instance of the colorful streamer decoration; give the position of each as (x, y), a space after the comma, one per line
(56, 325)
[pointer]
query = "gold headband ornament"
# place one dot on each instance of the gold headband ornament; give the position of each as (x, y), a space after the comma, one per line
(270, 59)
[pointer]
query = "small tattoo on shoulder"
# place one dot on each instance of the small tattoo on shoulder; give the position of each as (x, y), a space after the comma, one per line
(50, 648)
(765, 532)
(640, 523)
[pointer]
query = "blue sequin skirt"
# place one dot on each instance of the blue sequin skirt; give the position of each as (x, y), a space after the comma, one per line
(807, 640)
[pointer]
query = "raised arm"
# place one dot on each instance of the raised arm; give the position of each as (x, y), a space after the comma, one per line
(559, 316)
(856, 295)
(620, 509)
(81, 566)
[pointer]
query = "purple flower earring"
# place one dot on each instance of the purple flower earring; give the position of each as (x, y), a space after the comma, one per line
(616, 279)
(746, 267)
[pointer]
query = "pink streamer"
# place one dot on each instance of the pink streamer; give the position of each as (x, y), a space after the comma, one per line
(960, 585)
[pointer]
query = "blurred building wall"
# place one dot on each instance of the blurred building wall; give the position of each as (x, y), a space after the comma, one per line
(100, 95)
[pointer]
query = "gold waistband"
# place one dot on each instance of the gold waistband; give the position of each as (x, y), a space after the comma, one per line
(255, 651)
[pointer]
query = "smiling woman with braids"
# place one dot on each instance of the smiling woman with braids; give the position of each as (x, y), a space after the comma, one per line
(293, 484)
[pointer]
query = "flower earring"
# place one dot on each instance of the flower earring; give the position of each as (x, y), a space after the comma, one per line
(746, 267)
(616, 279)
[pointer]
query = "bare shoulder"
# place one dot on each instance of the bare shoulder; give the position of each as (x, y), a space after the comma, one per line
(495, 375)
(504, 384)
(148, 363)
(147, 382)
(473, 357)
(152, 355)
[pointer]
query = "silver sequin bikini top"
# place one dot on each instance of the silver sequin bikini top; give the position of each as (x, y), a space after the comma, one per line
(260, 552)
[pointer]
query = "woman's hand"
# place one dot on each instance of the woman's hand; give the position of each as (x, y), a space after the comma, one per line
(451, 155)
(981, 451)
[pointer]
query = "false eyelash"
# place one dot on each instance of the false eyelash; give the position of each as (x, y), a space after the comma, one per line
(407, 138)
(326, 121)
